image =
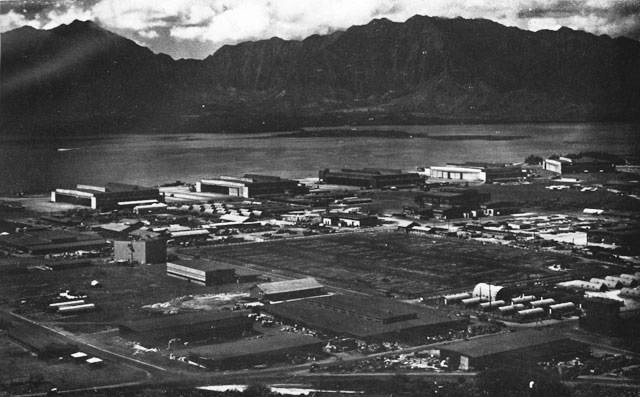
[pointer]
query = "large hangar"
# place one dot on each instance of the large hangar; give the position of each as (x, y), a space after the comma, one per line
(251, 185)
(108, 197)
(188, 327)
(264, 350)
(528, 345)
(366, 317)
(201, 271)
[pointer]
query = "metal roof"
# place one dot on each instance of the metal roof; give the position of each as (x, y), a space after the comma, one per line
(279, 287)
(502, 343)
(201, 264)
(179, 320)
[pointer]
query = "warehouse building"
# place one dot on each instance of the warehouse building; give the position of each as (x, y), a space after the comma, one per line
(476, 172)
(201, 271)
(286, 290)
(602, 316)
(566, 165)
(499, 208)
(201, 326)
(527, 346)
(108, 197)
(251, 185)
(251, 352)
(368, 318)
(349, 220)
(40, 242)
(117, 229)
(464, 174)
(369, 177)
(140, 251)
(452, 196)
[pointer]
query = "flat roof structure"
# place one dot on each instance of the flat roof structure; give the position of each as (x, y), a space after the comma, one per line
(106, 197)
(201, 271)
(254, 351)
(192, 326)
(251, 185)
(521, 345)
(369, 177)
(289, 289)
(369, 318)
(51, 241)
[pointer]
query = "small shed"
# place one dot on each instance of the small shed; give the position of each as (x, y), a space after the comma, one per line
(95, 362)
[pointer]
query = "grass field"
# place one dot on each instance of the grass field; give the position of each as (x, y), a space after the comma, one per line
(535, 196)
(410, 265)
(21, 372)
(126, 290)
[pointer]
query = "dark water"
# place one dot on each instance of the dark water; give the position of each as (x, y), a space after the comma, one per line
(155, 159)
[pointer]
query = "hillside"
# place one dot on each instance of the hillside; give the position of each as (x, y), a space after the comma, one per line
(80, 78)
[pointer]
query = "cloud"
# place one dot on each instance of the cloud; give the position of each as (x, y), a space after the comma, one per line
(13, 20)
(149, 34)
(202, 26)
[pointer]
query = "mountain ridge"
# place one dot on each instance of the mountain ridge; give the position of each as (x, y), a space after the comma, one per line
(425, 70)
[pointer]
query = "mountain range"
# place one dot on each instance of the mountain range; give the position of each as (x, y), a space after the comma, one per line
(82, 79)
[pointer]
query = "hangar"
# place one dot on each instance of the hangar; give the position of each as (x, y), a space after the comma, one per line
(366, 317)
(251, 185)
(250, 352)
(108, 197)
(520, 346)
(201, 271)
(206, 325)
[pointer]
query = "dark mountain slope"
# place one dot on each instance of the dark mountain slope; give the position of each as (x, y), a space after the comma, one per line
(80, 76)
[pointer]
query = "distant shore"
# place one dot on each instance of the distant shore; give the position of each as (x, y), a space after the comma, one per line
(389, 134)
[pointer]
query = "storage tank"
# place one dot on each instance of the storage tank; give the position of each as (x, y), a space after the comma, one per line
(471, 302)
(455, 298)
(531, 314)
(489, 306)
(542, 303)
(511, 309)
(523, 299)
(562, 308)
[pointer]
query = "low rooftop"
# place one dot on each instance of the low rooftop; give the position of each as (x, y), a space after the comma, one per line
(279, 287)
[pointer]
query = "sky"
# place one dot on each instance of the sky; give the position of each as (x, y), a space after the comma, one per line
(197, 28)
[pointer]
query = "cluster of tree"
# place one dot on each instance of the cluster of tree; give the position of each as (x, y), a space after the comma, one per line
(533, 160)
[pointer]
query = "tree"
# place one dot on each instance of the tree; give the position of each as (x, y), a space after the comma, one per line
(533, 160)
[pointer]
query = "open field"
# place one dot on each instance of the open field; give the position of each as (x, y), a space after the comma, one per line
(409, 265)
(125, 291)
(21, 372)
(535, 195)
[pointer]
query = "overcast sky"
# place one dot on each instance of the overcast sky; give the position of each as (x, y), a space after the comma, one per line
(196, 28)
